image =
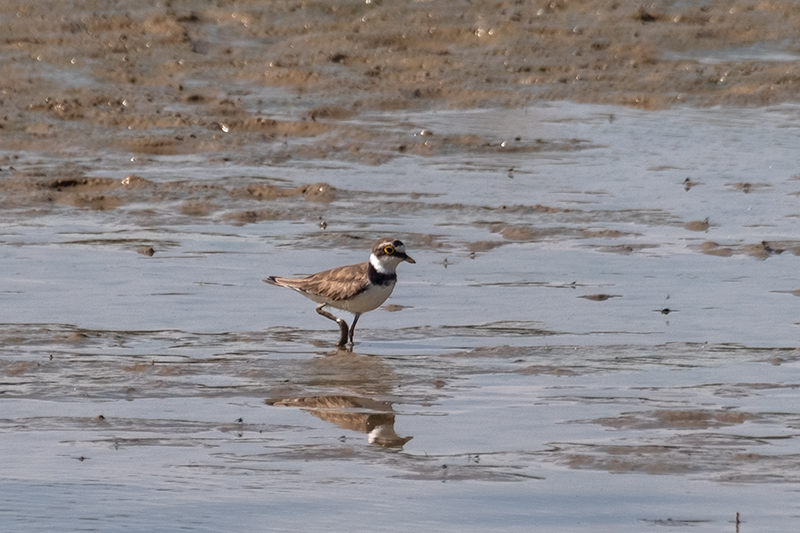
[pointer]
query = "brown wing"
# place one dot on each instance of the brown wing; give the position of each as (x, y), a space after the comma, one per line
(335, 284)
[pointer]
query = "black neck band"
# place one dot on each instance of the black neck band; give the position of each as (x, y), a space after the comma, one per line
(380, 278)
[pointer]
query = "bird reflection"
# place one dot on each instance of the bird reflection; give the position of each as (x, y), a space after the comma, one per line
(358, 379)
(373, 417)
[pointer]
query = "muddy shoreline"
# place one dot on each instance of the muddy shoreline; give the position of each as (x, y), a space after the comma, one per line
(167, 78)
(604, 290)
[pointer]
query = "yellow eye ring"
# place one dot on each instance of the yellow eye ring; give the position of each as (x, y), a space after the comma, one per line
(388, 250)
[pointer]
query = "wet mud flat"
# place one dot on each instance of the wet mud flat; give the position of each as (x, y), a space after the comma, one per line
(586, 338)
(123, 429)
(188, 77)
(599, 333)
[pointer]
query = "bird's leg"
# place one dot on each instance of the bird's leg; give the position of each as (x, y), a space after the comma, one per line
(342, 325)
(353, 327)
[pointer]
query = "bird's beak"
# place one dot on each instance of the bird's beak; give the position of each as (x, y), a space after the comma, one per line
(408, 259)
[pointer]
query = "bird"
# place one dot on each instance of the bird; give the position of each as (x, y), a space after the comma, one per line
(355, 288)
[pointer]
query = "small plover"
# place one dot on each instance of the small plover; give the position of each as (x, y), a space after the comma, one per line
(355, 288)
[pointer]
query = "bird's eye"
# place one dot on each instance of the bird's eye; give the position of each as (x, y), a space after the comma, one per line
(388, 250)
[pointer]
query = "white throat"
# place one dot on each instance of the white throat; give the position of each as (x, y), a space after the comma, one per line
(381, 267)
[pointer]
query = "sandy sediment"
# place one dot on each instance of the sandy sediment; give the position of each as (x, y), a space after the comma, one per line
(260, 83)
(187, 76)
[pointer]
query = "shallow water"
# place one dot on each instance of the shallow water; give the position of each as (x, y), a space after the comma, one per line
(568, 353)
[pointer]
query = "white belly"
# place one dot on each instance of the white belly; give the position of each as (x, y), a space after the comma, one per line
(368, 300)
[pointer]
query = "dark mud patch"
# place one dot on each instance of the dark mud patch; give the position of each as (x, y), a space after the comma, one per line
(676, 419)
(697, 225)
(599, 297)
(501, 329)
(527, 234)
(429, 144)
(716, 456)
(627, 249)
(674, 522)
(748, 187)
(254, 216)
(316, 192)
(605, 234)
(468, 468)
(537, 370)
(191, 198)
(197, 208)
(761, 250)
(131, 244)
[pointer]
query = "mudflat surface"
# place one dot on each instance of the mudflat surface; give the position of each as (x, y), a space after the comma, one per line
(600, 331)
(174, 77)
